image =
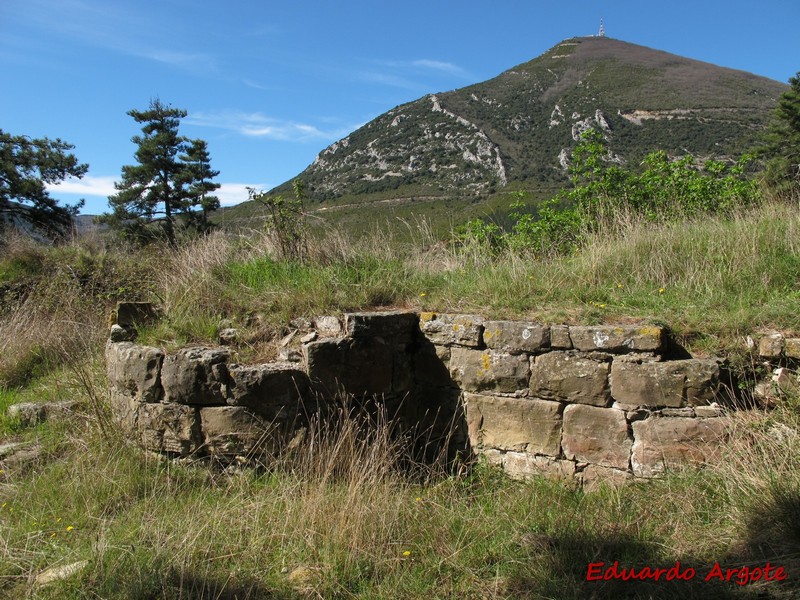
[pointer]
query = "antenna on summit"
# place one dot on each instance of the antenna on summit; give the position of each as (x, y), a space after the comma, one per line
(602, 32)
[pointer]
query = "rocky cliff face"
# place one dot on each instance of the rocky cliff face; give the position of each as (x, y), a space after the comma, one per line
(522, 125)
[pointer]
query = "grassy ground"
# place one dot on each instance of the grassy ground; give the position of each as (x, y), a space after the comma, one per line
(338, 519)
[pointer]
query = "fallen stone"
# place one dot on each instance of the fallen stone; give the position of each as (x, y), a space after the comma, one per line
(54, 574)
(522, 465)
(596, 435)
(568, 377)
(515, 337)
(791, 348)
(328, 326)
(228, 336)
(595, 477)
(29, 414)
(771, 346)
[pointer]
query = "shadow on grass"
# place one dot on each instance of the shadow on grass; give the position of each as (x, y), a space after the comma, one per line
(559, 567)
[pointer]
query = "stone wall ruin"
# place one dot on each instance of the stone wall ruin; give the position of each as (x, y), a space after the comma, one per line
(606, 402)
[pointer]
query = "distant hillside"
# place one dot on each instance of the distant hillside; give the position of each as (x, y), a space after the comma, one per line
(519, 128)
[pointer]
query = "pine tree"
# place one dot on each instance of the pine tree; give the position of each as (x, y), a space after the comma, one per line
(783, 148)
(172, 177)
(26, 166)
(198, 176)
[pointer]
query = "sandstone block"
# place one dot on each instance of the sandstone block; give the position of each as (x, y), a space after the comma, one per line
(449, 330)
(391, 327)
(771, 345)
(196, 376)
(559, 337)
(661, 443)
(791, 348)
(519, 424)
(485, 370)
(672, 384)
(596, 435)
(168, 428)
(273, 391)
(328, 326)
(648, 383)
(353, 366)
(618, 338)
(235, 431)
(567, 377)
(515, 337)
(135, 370)
(594, 477)
(522, 465)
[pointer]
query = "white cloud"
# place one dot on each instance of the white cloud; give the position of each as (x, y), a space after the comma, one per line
(438, 65)
(87, 186)
(259, 125)
(230, 194)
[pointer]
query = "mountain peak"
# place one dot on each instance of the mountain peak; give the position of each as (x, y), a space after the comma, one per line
(521, 125)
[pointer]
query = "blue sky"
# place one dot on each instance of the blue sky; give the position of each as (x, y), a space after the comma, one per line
(270, 84)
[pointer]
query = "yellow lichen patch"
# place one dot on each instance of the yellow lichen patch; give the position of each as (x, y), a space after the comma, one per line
(424, 317)
(650, 330)
(485, 361)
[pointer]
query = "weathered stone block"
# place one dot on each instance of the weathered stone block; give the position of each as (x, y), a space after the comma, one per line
(353, 366)
(449, 330)
(328, 326)
(391, 327)
(522, 465)
(618, 338)
(520, 424)
(648, 383)
(791, 348)
(168, 428)
(196, 376)
(135, 370)
(477, 370)
(273, 391)
(559, 337)
(596, 435)
(669, 384)
(594, 477)
(702, 380)
(567, 377)
(235, 431)
(771, 345)
(662, 443)
(515, 337)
